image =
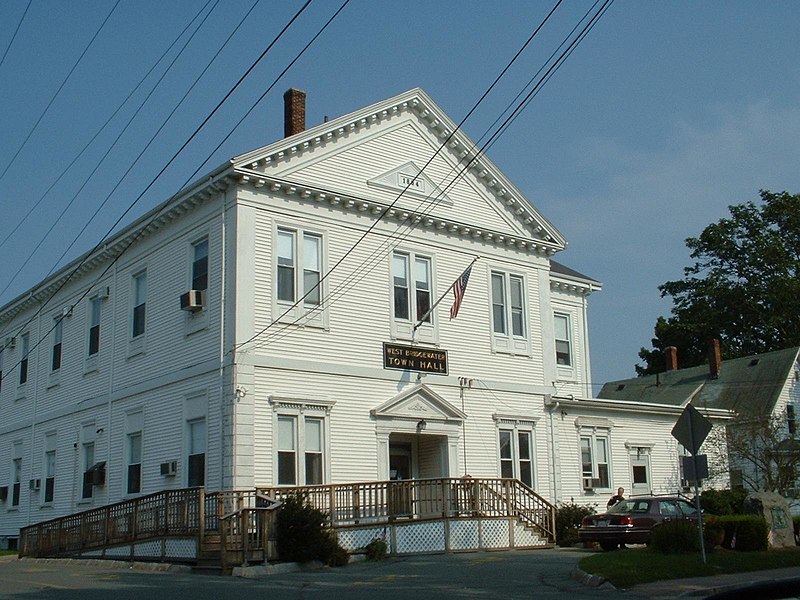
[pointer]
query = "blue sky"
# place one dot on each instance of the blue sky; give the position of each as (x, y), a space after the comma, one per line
(666, 114)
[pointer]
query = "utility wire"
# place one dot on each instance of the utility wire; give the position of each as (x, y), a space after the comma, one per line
(405, 189)
(158, 212)
(367, 267)
(13, 37)
(102, 128)
(58, 91)
(108, 151)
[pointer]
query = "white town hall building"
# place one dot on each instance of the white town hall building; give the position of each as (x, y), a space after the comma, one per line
(253, 330)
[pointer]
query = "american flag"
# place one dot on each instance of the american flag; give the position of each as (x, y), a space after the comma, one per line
(459, 289)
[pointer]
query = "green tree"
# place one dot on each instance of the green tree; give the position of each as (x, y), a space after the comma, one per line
(743, 288)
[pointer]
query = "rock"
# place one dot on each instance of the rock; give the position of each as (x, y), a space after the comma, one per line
(774, 508)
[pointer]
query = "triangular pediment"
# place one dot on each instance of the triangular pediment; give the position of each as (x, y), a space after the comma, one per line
(364, 160)
(416, 403)
(410, 180)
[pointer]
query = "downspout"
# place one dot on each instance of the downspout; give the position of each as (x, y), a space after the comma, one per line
(553, 406)
(223, 284)
(111, 391)
(35, 382)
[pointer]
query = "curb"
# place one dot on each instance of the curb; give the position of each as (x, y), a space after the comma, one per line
(153, 567)
(258, 571)
(589, 580)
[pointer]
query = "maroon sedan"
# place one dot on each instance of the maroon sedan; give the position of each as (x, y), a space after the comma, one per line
(631, 521)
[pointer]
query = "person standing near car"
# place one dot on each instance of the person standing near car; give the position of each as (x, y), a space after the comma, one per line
(616, 499)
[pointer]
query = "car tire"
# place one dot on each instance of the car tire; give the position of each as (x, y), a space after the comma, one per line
(608, 546)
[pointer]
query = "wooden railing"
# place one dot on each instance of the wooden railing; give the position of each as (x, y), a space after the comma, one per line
(246, 534)
(171, 513)
(386, 501)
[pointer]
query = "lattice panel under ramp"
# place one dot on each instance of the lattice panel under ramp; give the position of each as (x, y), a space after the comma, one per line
(495, 533)
(185, 548)
(525, 537)
(356, 539)
(420, 537)
(148, 549)
(464, 535)
(118, 552)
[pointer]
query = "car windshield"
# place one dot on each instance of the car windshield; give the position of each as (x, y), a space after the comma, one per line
(630, 506)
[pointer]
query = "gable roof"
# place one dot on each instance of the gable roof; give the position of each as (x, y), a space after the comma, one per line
(748, 386)
(266, 166)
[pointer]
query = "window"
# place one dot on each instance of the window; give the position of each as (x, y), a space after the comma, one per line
(58, 334)
(94, 325)
(516, 455)
(200, 265)
(134, 474)
(563, 344)
(594, 459)
(139, 303)
(508, 304)
(49, 475)
(197, 452)
(791, 421)
(408, 300)
(640, 468)
(88, 462)
(23, 363)
(16, 478)
(300, 450)
(299, 248)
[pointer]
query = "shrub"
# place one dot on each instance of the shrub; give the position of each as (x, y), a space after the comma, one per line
(723, 502)
(301, 534)
(744, 532)
(376, 549)
(568, 519)
(675, 537)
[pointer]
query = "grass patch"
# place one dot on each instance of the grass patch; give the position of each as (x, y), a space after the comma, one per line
(7, 552)
(631, 567)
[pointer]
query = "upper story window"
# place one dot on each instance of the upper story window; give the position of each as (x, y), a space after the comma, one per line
(95, 305)
(791, 421)
(25, 341)
(139, 303)
(563, 341)
(412, 283)
(200, 265)
(58, 335)
(508, 304)
(299, 267)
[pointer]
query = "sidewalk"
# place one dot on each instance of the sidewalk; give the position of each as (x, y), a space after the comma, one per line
(701, 587)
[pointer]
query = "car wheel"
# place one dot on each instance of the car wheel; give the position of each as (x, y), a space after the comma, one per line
(607, 546)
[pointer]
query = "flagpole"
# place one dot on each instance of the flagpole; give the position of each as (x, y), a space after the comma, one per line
(447, 291)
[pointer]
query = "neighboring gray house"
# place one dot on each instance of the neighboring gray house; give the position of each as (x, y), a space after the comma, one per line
(752, 387)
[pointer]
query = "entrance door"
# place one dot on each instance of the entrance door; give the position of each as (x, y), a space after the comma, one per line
(400, 494)
(640, 471)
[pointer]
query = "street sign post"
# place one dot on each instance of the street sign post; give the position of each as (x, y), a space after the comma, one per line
(691, 431)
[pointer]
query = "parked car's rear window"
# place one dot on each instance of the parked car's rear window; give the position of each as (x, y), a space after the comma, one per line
(631, 506)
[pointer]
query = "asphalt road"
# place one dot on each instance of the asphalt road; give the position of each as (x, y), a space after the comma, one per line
(508, 575)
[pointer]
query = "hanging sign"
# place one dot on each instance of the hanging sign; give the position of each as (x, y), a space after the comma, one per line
(414, 358)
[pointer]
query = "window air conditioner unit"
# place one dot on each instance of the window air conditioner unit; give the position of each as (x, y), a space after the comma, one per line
(35, 485)
(97, 473)
(10, 342)
(169, 469)
(193, 300)
(587, 483)
(103, 293)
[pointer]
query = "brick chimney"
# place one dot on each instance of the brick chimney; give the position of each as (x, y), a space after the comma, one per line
(294, 112)
(714, 358)
(671, 357)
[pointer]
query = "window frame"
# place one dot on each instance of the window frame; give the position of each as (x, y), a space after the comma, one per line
(24, 361)
(88, 451)
(567, 319)
(16, 477)
(50, 467)
(516, 428)
(299, 412)
(133, 471)
(199, 272)
(415, 296)
(594, 435)
(192, 457)
(312, 311)
(138, 304)
(502, 311)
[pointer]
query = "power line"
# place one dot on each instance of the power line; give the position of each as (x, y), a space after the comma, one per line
(58, 91)
(113, 144)
(14, 36)
(366, 267)
(158, 212)
(405, 189)
(103, 127)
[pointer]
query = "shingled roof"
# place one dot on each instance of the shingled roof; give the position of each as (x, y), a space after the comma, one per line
(747, 386)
